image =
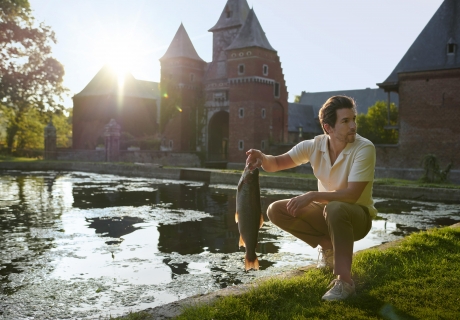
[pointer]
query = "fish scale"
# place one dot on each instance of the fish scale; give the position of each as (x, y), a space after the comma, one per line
(249, 215)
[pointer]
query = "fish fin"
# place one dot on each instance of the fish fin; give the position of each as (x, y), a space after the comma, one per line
(261, 220)
(251, 264)
(242, 244)
(236, 217)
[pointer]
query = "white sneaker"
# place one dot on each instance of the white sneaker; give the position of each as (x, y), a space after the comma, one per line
(340, 290)
(327, 259)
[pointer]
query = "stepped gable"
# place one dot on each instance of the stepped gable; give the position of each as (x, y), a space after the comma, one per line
(430, 51)
(106, 83)
(181, 46)
(233, 15)
(251, 35)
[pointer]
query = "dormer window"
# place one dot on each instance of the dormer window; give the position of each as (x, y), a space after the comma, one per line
(228, 12)
(451, 47)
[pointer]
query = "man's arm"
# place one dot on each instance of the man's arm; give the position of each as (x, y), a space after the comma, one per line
(257, 158)
(351, 194)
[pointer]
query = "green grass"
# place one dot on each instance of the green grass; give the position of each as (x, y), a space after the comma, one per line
(415, 183)
(16, 159)
(385, 181)
(418, 279)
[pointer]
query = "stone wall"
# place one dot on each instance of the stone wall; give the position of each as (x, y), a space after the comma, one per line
(148, 157)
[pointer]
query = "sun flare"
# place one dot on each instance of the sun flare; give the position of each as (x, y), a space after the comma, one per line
(121, 52)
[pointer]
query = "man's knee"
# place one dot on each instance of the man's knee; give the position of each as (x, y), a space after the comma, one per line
(274, 210)
(335, 211)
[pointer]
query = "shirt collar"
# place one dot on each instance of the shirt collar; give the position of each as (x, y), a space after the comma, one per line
(347, 149)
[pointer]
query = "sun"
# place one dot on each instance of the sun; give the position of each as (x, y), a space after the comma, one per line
(122, 52)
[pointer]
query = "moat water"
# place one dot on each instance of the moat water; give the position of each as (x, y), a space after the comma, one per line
(82, 245)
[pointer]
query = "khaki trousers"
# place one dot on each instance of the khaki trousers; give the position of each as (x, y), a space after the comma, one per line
(342, 223)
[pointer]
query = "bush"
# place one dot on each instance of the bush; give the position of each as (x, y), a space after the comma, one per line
(433, 172)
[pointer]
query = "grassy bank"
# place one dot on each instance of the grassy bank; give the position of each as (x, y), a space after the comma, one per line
(417, 279)
(391, 182)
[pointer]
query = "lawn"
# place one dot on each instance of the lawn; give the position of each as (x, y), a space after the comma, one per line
(417, 279)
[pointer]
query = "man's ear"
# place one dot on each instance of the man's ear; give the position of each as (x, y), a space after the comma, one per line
(327, 128)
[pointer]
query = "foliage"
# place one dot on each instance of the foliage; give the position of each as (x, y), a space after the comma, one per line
(372, 125)
(296, 99)
(30, 125)
(433, 171)
(412, 280)
(30, 78)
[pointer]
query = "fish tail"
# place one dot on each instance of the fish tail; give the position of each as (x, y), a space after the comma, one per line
(251, 264)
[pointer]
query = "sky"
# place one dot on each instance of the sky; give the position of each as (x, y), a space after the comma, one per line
(323, 45)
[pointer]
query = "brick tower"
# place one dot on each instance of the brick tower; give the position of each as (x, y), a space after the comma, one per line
(182, 73)
(242, 90)
(246, 95)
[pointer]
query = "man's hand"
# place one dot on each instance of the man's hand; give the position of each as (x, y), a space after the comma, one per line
(255, 158)
(297, 203)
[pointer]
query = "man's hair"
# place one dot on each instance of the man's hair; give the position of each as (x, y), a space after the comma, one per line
(328, 112)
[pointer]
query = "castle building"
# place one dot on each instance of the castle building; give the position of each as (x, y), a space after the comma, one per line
(427, 80)
(132, 103)
(235, 102)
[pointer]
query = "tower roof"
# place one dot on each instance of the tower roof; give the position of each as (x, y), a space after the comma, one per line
(251, 35)
(233, 15)
(106, 82)
(181, 46)
(430, 50)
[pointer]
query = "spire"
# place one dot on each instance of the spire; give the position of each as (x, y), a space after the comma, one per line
(181, 46)
(233, 15)
(251, 35)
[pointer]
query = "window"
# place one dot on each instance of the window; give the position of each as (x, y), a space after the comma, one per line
(264, 113)
(228, 12)
(241, 69)
(262, 145)
(277, 90)
(170, 144)
(192, 77)
(240, 145)
(241, 113)
(451, 48)
(265, 70)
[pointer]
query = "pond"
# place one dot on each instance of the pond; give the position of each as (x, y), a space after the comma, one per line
(85, 245)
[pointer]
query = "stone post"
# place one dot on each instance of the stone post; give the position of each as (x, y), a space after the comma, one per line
(50, 142)
(112, 141)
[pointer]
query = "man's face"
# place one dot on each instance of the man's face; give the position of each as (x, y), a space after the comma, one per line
(345, 126)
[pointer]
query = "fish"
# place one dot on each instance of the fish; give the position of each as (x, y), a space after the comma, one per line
(249, 215)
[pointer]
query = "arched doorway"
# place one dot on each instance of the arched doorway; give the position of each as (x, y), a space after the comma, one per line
(218, 138)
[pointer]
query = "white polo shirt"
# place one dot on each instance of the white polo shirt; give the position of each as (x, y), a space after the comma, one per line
(355, 163)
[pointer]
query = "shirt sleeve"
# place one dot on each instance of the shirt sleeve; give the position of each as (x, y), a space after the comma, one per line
(363, 166)
(300, 153)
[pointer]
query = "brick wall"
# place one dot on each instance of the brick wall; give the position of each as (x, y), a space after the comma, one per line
(429, 114)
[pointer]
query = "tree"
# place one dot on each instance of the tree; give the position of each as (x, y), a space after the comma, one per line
(372, 125)
(296, 99)
(30, 78)
(31, 126)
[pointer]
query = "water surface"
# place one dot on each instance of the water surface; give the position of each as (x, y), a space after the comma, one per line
(83, 245)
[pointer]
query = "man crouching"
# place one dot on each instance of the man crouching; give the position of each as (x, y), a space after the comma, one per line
(341, 211)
